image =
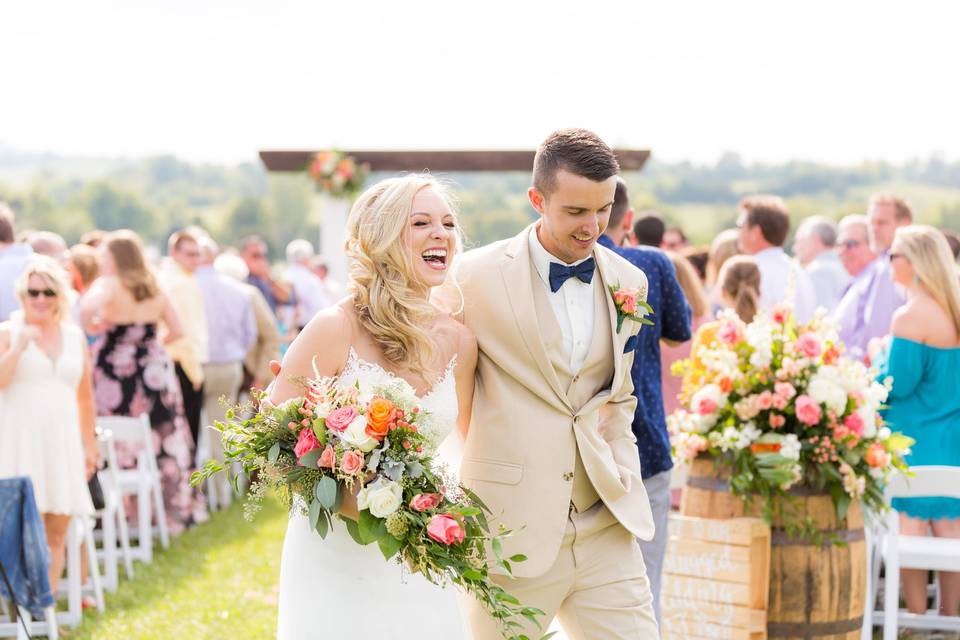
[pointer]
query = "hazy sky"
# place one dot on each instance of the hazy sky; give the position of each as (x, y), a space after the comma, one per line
(837, 81)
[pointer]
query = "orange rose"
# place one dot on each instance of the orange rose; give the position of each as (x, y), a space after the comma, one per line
(380, 415)
(877, 456)
(765, 447)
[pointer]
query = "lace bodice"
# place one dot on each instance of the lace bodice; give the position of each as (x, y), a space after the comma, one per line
(439, 403)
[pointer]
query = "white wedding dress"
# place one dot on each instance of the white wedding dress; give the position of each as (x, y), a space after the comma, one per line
(334, 588)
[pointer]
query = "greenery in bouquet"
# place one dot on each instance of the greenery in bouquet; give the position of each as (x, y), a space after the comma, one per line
(779, 405)
(377, 443)
(336, 174)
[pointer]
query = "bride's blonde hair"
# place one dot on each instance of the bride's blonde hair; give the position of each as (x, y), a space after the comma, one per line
(390, 303)
(928, 252)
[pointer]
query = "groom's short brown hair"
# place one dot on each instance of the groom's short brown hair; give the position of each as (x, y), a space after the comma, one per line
(578, 151)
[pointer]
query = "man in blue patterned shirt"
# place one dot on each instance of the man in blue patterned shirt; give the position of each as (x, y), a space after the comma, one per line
(671, 323)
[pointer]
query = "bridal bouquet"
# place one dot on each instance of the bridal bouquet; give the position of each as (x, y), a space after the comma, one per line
(336, 174)
(779, 405)
(372, 441)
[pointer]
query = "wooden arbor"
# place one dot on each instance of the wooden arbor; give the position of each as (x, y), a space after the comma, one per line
(334, 214)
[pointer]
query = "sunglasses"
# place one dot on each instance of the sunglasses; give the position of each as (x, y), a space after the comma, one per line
(850, 244)
(36, 293)
(896, 255)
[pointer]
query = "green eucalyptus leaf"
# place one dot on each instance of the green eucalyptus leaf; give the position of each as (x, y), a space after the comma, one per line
(323, 524)
(309, 459)
(315, 509)
(326, 492)
(274, 452)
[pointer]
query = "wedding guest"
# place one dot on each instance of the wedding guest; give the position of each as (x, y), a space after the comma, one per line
(700, 314)
(648, 229)
(231, 323)
(256, 365)
(254, 252)
(723, 247)
(953, 239)
(13, 257)
(189, 352)
(331, 289)
(83, 267)
(698, 258)
(47, 416)
(93, 238)
(923, 358)
(763, 225)
(874, 299)
(739, 286)
(133, 374)
(674, 239)
(671, 323)
(307, 287)
(50, 244)
(813, 246)
(853, 247)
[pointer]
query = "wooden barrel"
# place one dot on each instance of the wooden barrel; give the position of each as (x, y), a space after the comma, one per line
(816, 591)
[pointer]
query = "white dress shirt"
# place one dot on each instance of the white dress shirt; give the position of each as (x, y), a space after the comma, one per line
(783, 280)
(829, 279)
(310, 293)
(573, 305)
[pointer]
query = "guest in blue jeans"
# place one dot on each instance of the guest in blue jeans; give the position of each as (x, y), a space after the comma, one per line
(671, 323)
(923, 358)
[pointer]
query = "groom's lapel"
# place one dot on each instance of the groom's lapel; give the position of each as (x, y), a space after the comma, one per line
(516, 269)
(608, 278)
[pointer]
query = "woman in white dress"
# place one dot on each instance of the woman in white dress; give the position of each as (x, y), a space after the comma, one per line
(401, 238)
(47, 416)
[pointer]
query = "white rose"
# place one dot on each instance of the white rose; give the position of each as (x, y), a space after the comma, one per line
(790, 447)
(356, 435)
(381, 498)
(869, 417)
(826, 389)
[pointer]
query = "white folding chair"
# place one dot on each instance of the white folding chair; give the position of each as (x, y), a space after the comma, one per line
(12, 626)
(142, 481)
(916, 552)
(113, 516)
(80, 540)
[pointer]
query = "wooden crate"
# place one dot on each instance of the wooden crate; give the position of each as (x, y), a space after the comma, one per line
(716, 578)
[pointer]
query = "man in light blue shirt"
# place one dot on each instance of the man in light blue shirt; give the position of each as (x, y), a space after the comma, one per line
(232, 328)
(13, 257)
(868, 313)
(813, 246)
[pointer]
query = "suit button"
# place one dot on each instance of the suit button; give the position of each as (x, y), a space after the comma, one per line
(576, 419)
(568, 476)
(576, 378)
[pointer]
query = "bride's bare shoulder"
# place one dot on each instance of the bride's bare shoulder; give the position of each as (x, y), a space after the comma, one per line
(324, 342)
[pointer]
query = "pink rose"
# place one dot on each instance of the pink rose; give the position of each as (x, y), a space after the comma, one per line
(706, 406)
(765, 400)
(626, 299)
(306, 442)
(351, 463)
(339, 419)
(729, 333)
(854, 422)
(445, 529)
(784, 390)
(809, 345)
(327, 459)
(777, 420)
(425, 501)
(808, 411)
(780, 314)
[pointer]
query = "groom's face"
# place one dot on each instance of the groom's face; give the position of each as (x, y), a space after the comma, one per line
(573, 215)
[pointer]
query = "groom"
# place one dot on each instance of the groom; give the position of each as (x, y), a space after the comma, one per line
(550, 447)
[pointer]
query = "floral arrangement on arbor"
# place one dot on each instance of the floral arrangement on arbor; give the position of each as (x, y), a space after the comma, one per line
(336, 174)
(375, 442)
(779, 405)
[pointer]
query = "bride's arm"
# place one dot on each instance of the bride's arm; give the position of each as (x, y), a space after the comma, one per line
(465, 371)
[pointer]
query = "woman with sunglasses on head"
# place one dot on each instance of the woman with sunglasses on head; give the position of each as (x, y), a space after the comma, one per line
(923, 357)
(47, 415)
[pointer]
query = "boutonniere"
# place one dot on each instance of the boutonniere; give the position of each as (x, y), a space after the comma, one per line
(630, 306)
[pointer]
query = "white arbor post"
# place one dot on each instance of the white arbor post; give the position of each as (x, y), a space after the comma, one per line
(332, 236)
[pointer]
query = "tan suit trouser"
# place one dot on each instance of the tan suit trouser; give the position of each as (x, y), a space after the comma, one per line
(597, 586)
(220, 380)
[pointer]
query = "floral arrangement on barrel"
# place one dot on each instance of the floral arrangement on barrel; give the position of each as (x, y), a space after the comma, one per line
(336, 174)
(375, 442)
(779, 405)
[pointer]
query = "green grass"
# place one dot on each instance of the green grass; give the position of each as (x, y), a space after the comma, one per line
(218, 580)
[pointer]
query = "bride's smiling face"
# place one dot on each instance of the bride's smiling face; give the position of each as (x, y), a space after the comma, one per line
(431, 237)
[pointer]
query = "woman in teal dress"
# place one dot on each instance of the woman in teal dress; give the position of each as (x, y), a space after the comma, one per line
(923, 358)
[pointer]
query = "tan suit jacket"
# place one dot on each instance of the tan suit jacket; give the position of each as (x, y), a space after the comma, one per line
(525, 430)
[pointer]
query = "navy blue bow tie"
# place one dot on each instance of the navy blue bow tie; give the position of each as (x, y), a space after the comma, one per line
(560, 272)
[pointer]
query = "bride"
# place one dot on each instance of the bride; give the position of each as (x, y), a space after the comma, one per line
(402, 236)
